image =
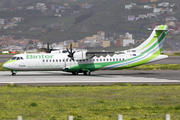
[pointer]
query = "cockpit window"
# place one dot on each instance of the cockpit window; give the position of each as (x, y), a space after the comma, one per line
(13, 58)
(17, 58)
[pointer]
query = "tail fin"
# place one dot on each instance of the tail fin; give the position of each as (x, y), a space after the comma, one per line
(155, 41)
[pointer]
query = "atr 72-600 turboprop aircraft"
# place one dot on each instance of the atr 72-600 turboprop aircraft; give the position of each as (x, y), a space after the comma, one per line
(86, 62)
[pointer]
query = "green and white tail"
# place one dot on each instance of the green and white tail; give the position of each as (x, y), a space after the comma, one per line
(155, 41)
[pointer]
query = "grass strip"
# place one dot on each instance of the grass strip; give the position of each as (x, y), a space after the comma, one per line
(157, 67)
(1, 68)
(134, 102)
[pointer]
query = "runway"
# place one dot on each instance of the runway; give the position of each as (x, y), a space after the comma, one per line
(97, 78)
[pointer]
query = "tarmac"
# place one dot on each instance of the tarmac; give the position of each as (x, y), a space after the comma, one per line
(96, 78)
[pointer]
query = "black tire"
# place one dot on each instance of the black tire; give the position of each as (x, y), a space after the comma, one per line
(85, 72)
(75, 73)
(88, 73)
(13, 74)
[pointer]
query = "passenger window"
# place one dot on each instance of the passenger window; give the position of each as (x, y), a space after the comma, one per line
(46, 60)
(63, 60)
(56, 60)
(113, 59)
(100, 59)
(70, 60)
(43, 60)
(59, 60)
(107, 59)
(120, 59)
(53, 60)
(104, 60)
(96, 59)
(116, 59)
(49, 60)
(123, 59)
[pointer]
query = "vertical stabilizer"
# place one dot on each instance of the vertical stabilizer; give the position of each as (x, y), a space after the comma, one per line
(155, 41)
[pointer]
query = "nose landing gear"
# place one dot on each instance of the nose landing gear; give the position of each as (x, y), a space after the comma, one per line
(13, 73)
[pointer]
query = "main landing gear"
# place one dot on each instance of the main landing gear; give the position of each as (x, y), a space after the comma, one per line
(75, 73)
(13, 73)
(87, 73)
(84, 72)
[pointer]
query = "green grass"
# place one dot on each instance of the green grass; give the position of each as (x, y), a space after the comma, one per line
(145, 102)
(157, 67)
(1, 68)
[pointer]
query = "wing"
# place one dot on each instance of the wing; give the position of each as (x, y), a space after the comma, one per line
(86, 55)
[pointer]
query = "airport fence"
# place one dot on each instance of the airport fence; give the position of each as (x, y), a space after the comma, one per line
(117, 117)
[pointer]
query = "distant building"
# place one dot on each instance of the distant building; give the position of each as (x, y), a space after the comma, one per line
(128, 6)
(167, 19)
(153, 0)
(30, 8)
(131, 17)
(101, 34)
(104, 43)
(127, 42)
(144, 1)
(2, 21)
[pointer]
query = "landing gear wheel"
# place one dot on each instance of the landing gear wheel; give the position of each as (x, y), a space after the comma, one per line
(75, 73)
(87, 73)
(13, 74)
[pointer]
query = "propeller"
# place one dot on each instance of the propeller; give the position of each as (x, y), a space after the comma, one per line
(47, 50)
(71, 53)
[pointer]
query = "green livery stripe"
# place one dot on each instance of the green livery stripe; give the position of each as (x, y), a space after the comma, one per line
(157, 34)
(10, 61)
(154, 55)
(161, 27)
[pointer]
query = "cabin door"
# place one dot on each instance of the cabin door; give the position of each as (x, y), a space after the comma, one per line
(129, 60)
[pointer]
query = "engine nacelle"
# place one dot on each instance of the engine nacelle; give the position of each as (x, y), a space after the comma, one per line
(81, 55)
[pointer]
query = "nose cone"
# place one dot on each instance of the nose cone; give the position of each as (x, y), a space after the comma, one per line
(5, 65)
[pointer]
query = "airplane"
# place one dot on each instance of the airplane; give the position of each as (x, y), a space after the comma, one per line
(86, 62)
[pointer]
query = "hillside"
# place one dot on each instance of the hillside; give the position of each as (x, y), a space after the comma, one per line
(105, 15)
(111, 19)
